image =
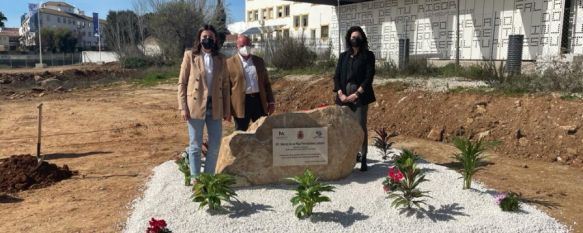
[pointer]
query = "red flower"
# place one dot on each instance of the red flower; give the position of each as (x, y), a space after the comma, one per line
(156, 226)
(386, 188)
(395, 174)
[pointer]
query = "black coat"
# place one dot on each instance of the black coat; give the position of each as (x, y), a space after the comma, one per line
(362, 74)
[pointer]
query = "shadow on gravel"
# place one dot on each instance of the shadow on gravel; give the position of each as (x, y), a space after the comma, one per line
(346, 219)
(246, 209)
(444, 213)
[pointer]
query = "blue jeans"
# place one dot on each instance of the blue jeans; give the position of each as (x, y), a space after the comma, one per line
(215, 133)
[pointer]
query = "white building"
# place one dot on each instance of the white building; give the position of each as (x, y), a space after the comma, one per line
(60, 15)
(550, 27)
(278, 18)
(8, 39)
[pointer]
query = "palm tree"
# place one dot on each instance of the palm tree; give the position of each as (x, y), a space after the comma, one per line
(2, 19)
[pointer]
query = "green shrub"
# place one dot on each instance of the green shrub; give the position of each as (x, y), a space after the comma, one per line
(470, 156)
(211, 190)
(292, 53)
(308, 193)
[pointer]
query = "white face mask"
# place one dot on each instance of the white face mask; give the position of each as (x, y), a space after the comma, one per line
(245, 51)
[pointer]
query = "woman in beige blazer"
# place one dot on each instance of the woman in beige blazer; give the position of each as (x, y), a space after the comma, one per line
(203, 97)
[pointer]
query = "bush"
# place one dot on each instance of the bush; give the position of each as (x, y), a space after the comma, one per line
(134, 62)
(403, 180)
(470, 156)
(212, 189)
(292, 53)
(308, 193)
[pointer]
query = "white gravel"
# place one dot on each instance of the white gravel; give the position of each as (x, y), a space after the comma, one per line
(435, 84)
(358, 205)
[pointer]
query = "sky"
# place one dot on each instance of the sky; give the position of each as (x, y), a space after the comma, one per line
(13, 9)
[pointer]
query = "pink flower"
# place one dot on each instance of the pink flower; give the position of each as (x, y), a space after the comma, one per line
(395, 175)
(500, 197)
(386, 188)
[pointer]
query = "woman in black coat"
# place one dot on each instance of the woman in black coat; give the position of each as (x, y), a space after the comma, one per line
(353, 81)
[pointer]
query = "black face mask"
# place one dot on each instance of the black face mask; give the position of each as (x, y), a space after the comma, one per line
(208, 43)
(356, 42)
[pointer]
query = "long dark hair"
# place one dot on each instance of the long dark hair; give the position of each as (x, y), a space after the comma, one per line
(197, 48)
(352, 29)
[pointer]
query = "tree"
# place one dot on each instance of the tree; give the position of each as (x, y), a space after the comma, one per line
(58, 40)
(219, 21)
(123, 32)
(2, 19)
(175, 24)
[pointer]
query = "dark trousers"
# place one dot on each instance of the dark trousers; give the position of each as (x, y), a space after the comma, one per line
(253, 111)
(361, 114)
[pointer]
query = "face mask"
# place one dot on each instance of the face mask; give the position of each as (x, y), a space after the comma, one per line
(208, 43)
(245, 51)
(356, 42)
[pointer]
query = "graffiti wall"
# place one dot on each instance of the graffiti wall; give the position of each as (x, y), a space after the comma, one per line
(485, 25)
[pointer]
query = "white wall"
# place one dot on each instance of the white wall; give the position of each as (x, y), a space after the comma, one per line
(94, 57)
(431, 26)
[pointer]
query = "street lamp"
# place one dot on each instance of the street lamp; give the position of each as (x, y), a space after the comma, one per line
(40, 46)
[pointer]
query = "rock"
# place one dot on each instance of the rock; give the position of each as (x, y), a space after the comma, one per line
(51, 84)
(41, 94)
(38, 78)
(249, 155)
(518, 103)
(519, 134)
(523, 142)
(483, 135)
(480, 108)
(569, 129)
(37, 89)
(5, 81)
(436, 134)
(560, 159)
(525, 166)
(572, 151)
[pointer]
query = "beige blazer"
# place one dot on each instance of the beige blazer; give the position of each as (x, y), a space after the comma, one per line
(238, 84)
(193, 89)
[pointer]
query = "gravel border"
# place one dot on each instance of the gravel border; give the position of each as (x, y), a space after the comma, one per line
(358, 205)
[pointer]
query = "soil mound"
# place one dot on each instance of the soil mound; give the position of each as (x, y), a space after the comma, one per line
(22, 172)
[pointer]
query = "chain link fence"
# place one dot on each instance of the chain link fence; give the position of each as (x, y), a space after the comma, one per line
(24, 61)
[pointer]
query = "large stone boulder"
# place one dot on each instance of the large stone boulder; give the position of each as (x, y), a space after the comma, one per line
(249, 155)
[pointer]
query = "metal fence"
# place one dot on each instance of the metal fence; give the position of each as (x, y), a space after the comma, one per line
(23, 61)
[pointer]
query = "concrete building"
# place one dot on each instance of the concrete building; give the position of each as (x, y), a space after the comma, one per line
(60, 15)
(549, 27)
(9, 39)
(276, 18)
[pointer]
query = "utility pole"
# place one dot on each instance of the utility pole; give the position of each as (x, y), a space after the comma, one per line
(40, 46)
(457, 47)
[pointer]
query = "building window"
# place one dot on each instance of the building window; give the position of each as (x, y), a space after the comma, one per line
(48, 18)
(286, 33)
(296, 21)
(262, 14)
(324, 32)
(256, 15)
(286, 11)
(313, 33)
(249, 16)
(59, 19)
(279, 11)
(270, 13)
(305, 21)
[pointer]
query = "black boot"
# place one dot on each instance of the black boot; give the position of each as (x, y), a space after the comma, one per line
(363, 166)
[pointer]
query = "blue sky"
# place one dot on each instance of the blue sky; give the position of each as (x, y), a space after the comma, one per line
(13, 9)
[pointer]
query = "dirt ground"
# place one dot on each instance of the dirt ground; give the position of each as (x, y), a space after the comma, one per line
(114, 136)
